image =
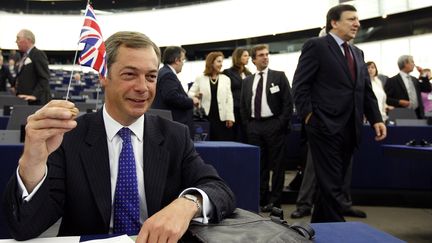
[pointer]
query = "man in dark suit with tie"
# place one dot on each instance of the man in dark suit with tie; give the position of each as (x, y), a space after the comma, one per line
(74, 168)
(332, 93)
(170, 94)
(32, 81)
(266, 108)
(403, 90)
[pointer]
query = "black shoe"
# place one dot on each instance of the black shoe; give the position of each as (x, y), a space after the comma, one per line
(300, 213)
(355, 213)
(268, 208)
(412, 142)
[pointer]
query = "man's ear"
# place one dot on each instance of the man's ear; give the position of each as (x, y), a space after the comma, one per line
(333, 23)
(103, 80)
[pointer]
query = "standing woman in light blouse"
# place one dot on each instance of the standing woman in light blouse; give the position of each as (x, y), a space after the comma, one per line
(214, 89)
(378, 90)
(237, 72)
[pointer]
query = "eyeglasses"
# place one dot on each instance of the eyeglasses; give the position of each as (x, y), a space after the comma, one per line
(183, 60)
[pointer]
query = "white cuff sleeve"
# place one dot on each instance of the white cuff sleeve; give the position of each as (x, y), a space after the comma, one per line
(23, 191)
(207, 206)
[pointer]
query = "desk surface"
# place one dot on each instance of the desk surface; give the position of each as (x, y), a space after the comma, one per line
(347, 232)
(351, 232)
(411, 153)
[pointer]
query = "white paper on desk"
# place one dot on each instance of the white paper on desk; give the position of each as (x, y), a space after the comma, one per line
(67, 239)
(117, 239)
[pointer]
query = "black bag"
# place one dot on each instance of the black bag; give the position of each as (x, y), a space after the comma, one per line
(244, 226)
(199, 114)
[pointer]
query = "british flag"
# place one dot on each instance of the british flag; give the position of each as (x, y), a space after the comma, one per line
(93, 55)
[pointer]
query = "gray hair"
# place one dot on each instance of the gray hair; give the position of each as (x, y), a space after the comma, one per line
(403, 60)
(28, 35)
(128, 39)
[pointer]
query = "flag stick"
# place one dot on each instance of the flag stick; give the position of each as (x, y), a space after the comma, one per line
(74, 62)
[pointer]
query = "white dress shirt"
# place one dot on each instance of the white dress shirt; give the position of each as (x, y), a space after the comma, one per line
(412, 93)
(265, 108)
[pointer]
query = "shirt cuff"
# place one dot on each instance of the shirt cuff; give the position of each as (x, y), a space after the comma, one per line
(207, 206)
(23, 191)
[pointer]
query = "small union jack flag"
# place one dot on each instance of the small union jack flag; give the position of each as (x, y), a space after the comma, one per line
(93, 55)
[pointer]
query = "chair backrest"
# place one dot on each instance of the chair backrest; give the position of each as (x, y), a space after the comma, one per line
(19, 116)
(84, 106)
(10, 100)
(10, 137)
(162, 113)
(401, 113)
(411, 122)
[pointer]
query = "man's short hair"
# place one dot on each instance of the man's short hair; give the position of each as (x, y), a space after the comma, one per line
(335, 14)
(402, 60)
(27, 34)
(171, 53)
(129, 39)
(258, 48)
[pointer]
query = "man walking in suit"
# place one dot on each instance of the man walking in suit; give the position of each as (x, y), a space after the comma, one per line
(32, 81)
(403, 90)
(332, 93)
(266, 108)
(117, 170)
(170, 94)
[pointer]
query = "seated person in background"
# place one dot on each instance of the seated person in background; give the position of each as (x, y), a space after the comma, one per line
(76, 169)
(378, 90)
(427, 96)
(77, 79)
(5, 75)
(403, 90)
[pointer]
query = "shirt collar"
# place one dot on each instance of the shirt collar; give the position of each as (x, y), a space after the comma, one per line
(265, 71)
(172, 69)
(112, 126)
(404, 74)
(338, 40)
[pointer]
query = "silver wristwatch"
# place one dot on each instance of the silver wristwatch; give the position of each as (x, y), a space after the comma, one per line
(194, 199)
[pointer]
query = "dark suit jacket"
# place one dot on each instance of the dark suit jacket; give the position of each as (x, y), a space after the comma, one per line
(170, 95)
(78, 186)
(5, 76)
(396, 90)
(323, 85)
(33, 78)
(236, 84)
(280, 103)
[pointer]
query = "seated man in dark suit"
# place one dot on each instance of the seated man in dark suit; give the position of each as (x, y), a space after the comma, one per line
(118, 161)
(403, 90)
(170, 94)
(5, 75)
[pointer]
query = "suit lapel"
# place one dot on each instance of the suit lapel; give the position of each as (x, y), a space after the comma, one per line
(156, 163)
(96, 163)
(335, 49)
(401, 83)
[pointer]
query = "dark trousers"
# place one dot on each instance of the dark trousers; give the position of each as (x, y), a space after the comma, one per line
(331, 154)
(307, 192)
(268, 135)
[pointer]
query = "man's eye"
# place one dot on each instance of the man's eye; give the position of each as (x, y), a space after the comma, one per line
(151, 77)
(127, 75)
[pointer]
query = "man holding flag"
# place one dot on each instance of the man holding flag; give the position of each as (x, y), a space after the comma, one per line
(118, 170)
